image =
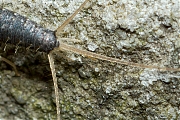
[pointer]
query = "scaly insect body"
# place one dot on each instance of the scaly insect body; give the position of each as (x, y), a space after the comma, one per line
(16, 29)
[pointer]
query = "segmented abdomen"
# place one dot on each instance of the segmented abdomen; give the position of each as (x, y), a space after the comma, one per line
(16, 29)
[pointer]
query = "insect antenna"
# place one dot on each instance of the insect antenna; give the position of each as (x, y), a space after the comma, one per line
(65, 47)
(102, 57)
(71, 17)
(51, 60)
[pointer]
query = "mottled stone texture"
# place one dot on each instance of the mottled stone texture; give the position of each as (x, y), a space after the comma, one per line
(141, 31)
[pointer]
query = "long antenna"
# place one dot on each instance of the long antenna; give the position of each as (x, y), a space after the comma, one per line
(51, 62)
(65, 47)
(71, 17)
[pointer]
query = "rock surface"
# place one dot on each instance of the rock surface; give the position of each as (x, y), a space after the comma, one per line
(138, 31)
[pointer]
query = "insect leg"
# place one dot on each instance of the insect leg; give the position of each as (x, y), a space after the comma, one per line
(11, 64)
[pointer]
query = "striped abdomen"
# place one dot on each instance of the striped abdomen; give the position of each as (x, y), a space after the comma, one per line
(16, 29)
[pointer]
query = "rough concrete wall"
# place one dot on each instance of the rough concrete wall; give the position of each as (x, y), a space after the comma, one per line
(138, 31)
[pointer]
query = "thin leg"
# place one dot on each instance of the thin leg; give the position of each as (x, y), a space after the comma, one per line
(11, 64)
